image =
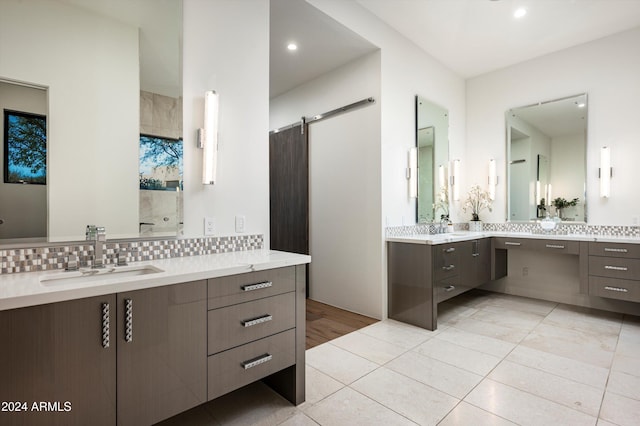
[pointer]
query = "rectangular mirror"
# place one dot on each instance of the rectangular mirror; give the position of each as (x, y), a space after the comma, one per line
(432, 141)
(546, 152)
(109, 71)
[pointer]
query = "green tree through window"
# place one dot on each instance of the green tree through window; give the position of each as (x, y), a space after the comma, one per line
(25, 147)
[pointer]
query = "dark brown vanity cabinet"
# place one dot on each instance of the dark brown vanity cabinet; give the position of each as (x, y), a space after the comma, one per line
(421, 275)
(133, 358)
(256, 331)
(614, 271)
(58, 363)
(162, 364)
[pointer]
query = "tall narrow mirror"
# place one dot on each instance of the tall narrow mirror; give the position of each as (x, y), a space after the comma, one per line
(546, 150)
(432, 141)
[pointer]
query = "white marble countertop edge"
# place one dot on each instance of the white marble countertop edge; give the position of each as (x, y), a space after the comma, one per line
(435, 239)
(25, 289)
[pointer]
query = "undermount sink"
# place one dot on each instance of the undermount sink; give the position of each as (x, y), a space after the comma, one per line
(89, 275)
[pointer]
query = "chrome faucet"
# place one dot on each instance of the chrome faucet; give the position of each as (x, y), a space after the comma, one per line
(98, 235)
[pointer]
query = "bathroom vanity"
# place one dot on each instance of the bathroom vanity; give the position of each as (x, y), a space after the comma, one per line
(424, 270)
(137, 350)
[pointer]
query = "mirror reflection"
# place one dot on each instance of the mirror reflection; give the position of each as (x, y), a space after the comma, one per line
(546, 148)
(432, 140)
(109, 72)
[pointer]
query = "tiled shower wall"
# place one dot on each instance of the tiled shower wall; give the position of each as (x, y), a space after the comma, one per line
(56, 256)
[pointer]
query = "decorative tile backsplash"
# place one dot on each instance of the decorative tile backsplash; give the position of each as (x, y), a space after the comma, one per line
(57, 256)
(561, 229)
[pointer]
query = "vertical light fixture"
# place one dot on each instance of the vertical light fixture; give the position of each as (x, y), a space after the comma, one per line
(412, 173)
(208, 138)
(605, 172)
(455, 178)
(493, 179)
(442, 181)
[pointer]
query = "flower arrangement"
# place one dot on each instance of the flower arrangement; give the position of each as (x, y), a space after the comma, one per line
(477, 200)
(442, 203)
(561, 203)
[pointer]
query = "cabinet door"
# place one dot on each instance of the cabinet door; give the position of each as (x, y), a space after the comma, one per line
(162, 352)
(475, 262)
(53, 358)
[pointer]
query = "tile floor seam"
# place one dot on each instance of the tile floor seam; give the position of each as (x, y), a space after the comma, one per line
(380, 403)
(606, 385)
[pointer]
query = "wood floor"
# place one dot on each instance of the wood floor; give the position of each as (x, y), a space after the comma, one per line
(325, 322)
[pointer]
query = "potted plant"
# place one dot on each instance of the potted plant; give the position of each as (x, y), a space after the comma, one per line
(560, 204)
(477, 200)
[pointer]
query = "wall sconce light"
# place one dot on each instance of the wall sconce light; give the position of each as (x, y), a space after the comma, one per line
(412, 173)
(455, 177)
(493, 179)
(605, 172)
(442, 181)
(208, 138)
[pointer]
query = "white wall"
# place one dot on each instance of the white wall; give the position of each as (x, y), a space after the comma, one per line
(607, 70)
(226, 49)
(93, 110)
(344, 184)
(23, 208)
(567, 181)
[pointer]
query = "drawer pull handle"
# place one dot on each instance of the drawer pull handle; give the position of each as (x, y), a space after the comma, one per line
(128, 320)
(475, 254)
(449, 268)
(257, 361)
(256, 321)
(258, 286)
(555, 246)
(616, 250)
(620, 289)
(105, 325)
(509, 243)
(450, 288)
(616, 268)
(449, 250)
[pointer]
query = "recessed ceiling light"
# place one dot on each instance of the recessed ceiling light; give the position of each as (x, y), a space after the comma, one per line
(581, 105)
(292, 46)
(520, 12)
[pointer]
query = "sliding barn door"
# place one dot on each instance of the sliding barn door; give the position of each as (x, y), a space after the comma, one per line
(289, 190)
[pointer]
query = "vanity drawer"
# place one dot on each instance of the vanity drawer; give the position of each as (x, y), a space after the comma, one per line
(615, 288)
(511, 243)
(225, 291)
(445, 260)
(555, 246)
(232, 369)
(614, 267)
(614, 250)
(238, 324)
(448, 288)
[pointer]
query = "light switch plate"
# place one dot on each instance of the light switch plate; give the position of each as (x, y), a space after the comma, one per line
(209, 228)
(240, 224)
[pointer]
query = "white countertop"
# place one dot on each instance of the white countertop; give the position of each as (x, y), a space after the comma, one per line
(434, 239)
(25, 289)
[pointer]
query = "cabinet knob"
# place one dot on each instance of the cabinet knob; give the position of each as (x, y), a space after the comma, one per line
(449, 268)
(450, 288)
(449, 250)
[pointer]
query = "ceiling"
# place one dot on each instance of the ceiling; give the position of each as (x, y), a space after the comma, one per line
(470, 37)
(323, 45)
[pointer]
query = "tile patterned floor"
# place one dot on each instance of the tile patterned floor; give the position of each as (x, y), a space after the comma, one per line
(494, 360)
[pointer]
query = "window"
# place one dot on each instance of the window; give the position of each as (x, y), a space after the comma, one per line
(25, 148)
(160, 163)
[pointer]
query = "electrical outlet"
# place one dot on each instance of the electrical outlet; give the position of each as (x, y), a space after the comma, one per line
(209, 228)
(525, 271)
(240, 224)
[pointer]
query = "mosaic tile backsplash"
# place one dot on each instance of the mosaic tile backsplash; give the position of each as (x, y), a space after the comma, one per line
(56, 256)
(561, 229)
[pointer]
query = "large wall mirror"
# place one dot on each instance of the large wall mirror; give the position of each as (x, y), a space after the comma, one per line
(105, 73)
(546, 151)
(432, 141)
